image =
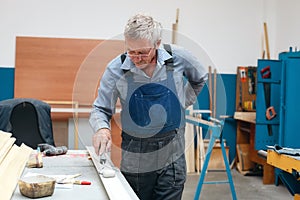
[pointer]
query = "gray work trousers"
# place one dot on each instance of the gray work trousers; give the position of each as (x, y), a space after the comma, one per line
(155, 167)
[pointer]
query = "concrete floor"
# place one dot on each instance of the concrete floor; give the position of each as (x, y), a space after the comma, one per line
(246, 188)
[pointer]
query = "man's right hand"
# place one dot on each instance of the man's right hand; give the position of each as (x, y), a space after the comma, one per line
(102, 141)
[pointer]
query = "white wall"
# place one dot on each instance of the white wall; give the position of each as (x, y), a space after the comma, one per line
(287, 29)
(229, 32)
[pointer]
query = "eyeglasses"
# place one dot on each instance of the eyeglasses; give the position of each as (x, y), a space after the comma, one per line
(140, 53)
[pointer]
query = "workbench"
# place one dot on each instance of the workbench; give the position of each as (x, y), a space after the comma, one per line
(246, 135)
(289, 165)
(74, 162)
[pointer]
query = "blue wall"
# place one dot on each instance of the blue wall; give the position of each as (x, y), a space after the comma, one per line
(225, 102)
(229, 131)
(6, 83)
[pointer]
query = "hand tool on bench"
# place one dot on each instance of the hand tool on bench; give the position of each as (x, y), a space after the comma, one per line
(50, 150)
(108, 169)
(67, 179)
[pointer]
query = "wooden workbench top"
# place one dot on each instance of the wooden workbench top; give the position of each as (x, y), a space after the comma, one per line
(245, 116)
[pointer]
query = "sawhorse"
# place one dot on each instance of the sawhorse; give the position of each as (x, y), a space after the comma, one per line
(215, 126)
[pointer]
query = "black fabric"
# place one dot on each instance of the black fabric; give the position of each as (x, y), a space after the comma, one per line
(29, 121)
(167, 47)
(25, 125)
(123, 57)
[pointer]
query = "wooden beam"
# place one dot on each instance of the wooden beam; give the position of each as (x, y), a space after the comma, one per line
(215, 94)
(175, 28)
(200, 147)
(246, 116)
(11, 169)
(199, 121)
(6, 148)
(189, 151)
(4, 136)
(210, 89)
(267, 40)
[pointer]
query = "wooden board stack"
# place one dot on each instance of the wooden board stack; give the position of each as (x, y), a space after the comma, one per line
(12, 163)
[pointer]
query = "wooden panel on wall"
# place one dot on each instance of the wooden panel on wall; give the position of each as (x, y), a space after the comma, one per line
(61, 69)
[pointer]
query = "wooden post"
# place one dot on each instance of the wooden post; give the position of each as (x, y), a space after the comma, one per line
(189, 142)
(215, 94)
(210, 89)
(266, 40)
(175, 28)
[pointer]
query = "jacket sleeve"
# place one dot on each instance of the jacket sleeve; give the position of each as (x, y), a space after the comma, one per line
(194, 72)
(104, 105)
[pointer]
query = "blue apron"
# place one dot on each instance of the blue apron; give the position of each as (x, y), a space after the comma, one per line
(151, 108)
(153, 138)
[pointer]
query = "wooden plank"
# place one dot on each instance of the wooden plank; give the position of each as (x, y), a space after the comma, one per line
(267, 40)
(244, 163)
(5, 143)
(6, 148)
(11, 169)
(189, 149)
(189, 145)
(116, 187)
(200, 151)
(175, 28)
(215, 95)
(210, 89)
(216, 161)
(4, 136)
(246, 116)
(268, 174)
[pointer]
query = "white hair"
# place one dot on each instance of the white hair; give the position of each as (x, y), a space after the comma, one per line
(142, 26)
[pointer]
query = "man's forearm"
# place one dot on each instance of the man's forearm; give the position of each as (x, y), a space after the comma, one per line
(99, 119)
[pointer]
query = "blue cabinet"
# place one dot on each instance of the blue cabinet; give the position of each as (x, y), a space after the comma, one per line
(277, 107)
(290, 104)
